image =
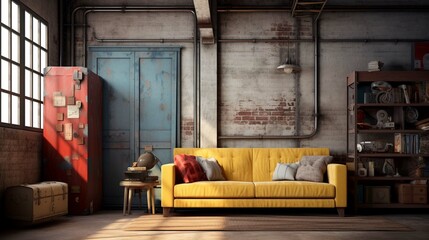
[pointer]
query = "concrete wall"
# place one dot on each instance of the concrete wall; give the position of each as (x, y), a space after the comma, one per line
(257, 99)
(145, 25)
(337, 60)
(242, 92)
(20, 150)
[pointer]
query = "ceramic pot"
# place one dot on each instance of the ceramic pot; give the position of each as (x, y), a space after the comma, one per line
(147, 160)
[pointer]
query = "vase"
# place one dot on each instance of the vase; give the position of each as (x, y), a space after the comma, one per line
(418, 172)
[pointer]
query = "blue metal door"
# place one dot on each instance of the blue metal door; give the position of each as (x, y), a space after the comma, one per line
(157, 99)
(139, 109)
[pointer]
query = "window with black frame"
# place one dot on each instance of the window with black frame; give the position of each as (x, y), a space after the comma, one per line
(24, 55)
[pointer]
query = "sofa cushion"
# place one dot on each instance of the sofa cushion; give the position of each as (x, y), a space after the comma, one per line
(236, 163)
(285, 171)
(294, 189)
(265, 159)
(312, 168)
(211, 168)
(215, 189)
(188, 168)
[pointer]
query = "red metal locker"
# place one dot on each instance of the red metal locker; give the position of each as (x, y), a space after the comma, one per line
(72, 144)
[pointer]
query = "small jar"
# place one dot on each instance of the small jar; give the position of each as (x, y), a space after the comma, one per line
(371, 169)
(361, 170)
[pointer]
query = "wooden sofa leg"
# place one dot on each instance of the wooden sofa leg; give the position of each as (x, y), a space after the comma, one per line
(166, 211)
(341, 212)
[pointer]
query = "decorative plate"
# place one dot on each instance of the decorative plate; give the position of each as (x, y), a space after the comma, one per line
(411, 114)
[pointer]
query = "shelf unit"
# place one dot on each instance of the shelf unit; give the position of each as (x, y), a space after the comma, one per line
(366, 113)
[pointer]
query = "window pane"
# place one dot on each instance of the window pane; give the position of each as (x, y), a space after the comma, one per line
(36, 58)
(5, 107)
(15, 17)
(34, 34)
(5, 46)
(5, 11)
(5, 77)
(36, 38)
(36, 86)
(41, 115)
(42, 89)
(28, 25)
(28, 114)
(15, 78)
(36, 114)
(28, 55)
(28, 85)
(43, 36)
(15, 47)
(43, 60)
(15, 110)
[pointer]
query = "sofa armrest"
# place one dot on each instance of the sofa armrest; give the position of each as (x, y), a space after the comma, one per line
(168, 178)
(337, 175)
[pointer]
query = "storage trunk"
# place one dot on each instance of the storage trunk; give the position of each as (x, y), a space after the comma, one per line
(72, 135)
(377, 194)
(35, 203)
(412, 193)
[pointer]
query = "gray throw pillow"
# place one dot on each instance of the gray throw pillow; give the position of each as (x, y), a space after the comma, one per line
(285, 171)
(312, 168)
(211, 168)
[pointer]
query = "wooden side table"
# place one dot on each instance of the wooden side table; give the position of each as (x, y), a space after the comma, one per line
(129, 186)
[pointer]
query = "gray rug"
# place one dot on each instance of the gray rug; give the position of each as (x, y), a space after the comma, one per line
(263, 223)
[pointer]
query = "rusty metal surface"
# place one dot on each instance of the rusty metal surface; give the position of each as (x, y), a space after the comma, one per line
(140, 108)
(77, 161)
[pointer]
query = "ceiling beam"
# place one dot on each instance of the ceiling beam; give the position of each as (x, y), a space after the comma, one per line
(204, 21)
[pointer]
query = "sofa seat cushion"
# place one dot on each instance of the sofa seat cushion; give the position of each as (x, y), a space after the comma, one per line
(217, 189)
(294, 189)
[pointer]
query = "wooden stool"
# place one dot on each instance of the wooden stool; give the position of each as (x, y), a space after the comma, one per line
(130, 186)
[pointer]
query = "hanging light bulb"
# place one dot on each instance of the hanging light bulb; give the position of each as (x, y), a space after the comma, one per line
(289, 67)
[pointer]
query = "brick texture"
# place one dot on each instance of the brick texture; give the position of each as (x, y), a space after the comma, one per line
(20, 158)
(279, 111)
(187, 130)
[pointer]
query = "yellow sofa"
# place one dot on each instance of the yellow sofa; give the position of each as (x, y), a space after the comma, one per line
(249, 172)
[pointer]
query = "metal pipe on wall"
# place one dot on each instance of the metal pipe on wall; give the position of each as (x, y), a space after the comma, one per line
(60, 31)
(369, 40)
(123, 10)
(316, 40)
(297, 77)
(260, 40)
(316, 99)
(328, 8)
(118, 9)
(91, 9)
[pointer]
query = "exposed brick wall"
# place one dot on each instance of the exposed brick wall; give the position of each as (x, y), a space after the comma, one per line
(279, 111)
(20, 158)
(187, 131)
(249, 117)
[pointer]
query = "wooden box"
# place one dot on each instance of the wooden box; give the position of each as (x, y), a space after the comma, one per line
(34, 203)
(377, 194)
(412, 193)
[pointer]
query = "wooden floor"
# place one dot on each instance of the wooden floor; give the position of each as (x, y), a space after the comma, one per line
(109, 225)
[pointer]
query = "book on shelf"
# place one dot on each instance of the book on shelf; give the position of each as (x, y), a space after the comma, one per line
(407, 143)
(136, 168)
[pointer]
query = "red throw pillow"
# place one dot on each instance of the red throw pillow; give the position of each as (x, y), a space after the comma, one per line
(189, 169)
